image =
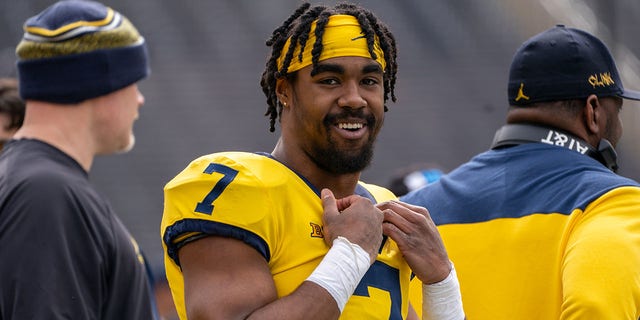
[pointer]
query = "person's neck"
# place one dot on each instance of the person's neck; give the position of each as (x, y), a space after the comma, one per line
(341, 185)
(553, 120)
(62, 127)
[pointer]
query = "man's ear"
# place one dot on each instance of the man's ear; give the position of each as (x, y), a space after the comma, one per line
(593, 114)
(283, 88)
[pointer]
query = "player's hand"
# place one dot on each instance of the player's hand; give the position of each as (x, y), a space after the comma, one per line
(418, 239)
(354, 218)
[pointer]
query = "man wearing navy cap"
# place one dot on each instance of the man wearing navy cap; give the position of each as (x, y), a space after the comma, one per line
(65, 254)
(541, 226)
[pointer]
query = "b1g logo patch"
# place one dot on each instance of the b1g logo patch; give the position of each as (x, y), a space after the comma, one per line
(316, 230)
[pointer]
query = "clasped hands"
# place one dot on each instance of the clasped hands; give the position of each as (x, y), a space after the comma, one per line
(363, 223)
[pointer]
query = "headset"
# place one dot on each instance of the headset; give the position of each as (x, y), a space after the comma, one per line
(516, 134)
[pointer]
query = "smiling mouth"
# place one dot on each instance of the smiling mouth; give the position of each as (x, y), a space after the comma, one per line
(350, 125)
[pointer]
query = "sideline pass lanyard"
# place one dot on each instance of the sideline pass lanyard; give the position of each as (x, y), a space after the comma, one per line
(516, 134)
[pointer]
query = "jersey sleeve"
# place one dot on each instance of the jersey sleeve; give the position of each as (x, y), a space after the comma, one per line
(217, 195)
(601, 264)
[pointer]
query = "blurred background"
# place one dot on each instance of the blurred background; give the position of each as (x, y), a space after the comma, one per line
(203, 95)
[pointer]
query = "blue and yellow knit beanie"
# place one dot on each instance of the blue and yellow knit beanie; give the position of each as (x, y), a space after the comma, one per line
(76, 50)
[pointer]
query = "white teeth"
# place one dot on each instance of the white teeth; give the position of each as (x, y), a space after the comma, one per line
(350, 126)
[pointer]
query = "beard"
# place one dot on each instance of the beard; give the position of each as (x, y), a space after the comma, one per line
(333, 159)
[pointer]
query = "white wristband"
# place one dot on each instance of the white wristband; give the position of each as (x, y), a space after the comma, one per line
(341, 270)
(442, 300)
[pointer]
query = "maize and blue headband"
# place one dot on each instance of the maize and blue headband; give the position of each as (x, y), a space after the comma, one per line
(343, 37)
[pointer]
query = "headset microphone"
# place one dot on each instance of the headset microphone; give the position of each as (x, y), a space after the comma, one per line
(516, 134)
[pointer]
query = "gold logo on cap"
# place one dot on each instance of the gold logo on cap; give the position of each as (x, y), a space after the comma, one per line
(521, 93)
(601, 80)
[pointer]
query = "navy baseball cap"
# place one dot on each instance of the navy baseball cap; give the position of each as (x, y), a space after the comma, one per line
(564, 63)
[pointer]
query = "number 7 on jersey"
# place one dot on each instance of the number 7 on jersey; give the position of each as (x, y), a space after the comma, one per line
(228, 174)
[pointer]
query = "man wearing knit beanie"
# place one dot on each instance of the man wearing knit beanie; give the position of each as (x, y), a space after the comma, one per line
(65, 254)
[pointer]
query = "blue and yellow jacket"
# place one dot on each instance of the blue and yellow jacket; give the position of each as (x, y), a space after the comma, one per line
(539, 232)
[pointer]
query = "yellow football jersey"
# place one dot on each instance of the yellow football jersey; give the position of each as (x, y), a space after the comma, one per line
(254, 198)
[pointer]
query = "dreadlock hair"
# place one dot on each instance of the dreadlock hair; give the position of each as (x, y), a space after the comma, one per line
(298, 26)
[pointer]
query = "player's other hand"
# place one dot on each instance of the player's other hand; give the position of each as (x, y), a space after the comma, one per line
(354, 218)
(418, 239)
